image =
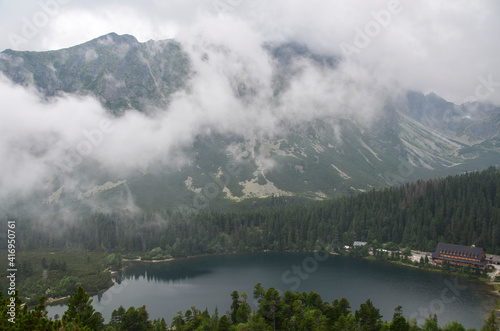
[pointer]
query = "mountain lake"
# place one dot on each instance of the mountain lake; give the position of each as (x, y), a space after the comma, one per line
(207, 282)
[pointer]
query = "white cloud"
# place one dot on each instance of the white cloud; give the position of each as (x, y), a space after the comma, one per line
(445, 47)
(231, 92)
(440, 46)
(35, 134)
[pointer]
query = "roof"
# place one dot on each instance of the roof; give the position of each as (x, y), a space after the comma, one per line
(359, 243)
(460, 253)
(493, 258)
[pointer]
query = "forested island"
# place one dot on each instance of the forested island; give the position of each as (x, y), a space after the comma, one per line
(56, 257)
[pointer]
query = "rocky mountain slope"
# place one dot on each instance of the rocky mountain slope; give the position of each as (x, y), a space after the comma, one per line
(416, 136)
(119, 70)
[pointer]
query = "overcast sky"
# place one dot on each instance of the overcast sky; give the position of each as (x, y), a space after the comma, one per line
(447, 47)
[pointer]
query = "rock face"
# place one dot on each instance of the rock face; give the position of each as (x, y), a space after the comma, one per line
(119, 70)
(416, 136)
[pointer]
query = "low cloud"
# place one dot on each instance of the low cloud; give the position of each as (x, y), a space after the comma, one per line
(428, 47)
(232, 91)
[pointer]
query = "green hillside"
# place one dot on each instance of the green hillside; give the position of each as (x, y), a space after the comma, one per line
(462, 209)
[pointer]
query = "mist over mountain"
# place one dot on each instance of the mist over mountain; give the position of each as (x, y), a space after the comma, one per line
(118, 124)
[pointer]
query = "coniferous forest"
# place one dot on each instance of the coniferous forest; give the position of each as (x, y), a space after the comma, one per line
(462, 209)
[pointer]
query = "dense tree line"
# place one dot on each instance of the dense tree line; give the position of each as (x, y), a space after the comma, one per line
(291, 311)
(462, 209)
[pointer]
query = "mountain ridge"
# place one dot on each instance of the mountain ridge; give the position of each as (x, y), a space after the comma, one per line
(414, 136)
(99, 67)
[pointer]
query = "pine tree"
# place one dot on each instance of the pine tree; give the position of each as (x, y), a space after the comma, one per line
(81, 313)
(136, 319)
(491, 324)
(368, 317)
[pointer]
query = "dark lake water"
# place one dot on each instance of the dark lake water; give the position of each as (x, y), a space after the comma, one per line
(207, 282)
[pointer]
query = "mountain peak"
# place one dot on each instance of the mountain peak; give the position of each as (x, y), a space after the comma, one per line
(116, 38)
(122, 72)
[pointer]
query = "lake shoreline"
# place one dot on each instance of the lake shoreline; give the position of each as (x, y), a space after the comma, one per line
(487, 282)
(368, 258)
(114, 273)
(207, 282)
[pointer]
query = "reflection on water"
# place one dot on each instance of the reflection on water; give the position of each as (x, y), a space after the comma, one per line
(164, 271)
(207, 282)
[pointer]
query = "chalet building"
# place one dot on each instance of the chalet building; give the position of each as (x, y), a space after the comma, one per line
(461, 255)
